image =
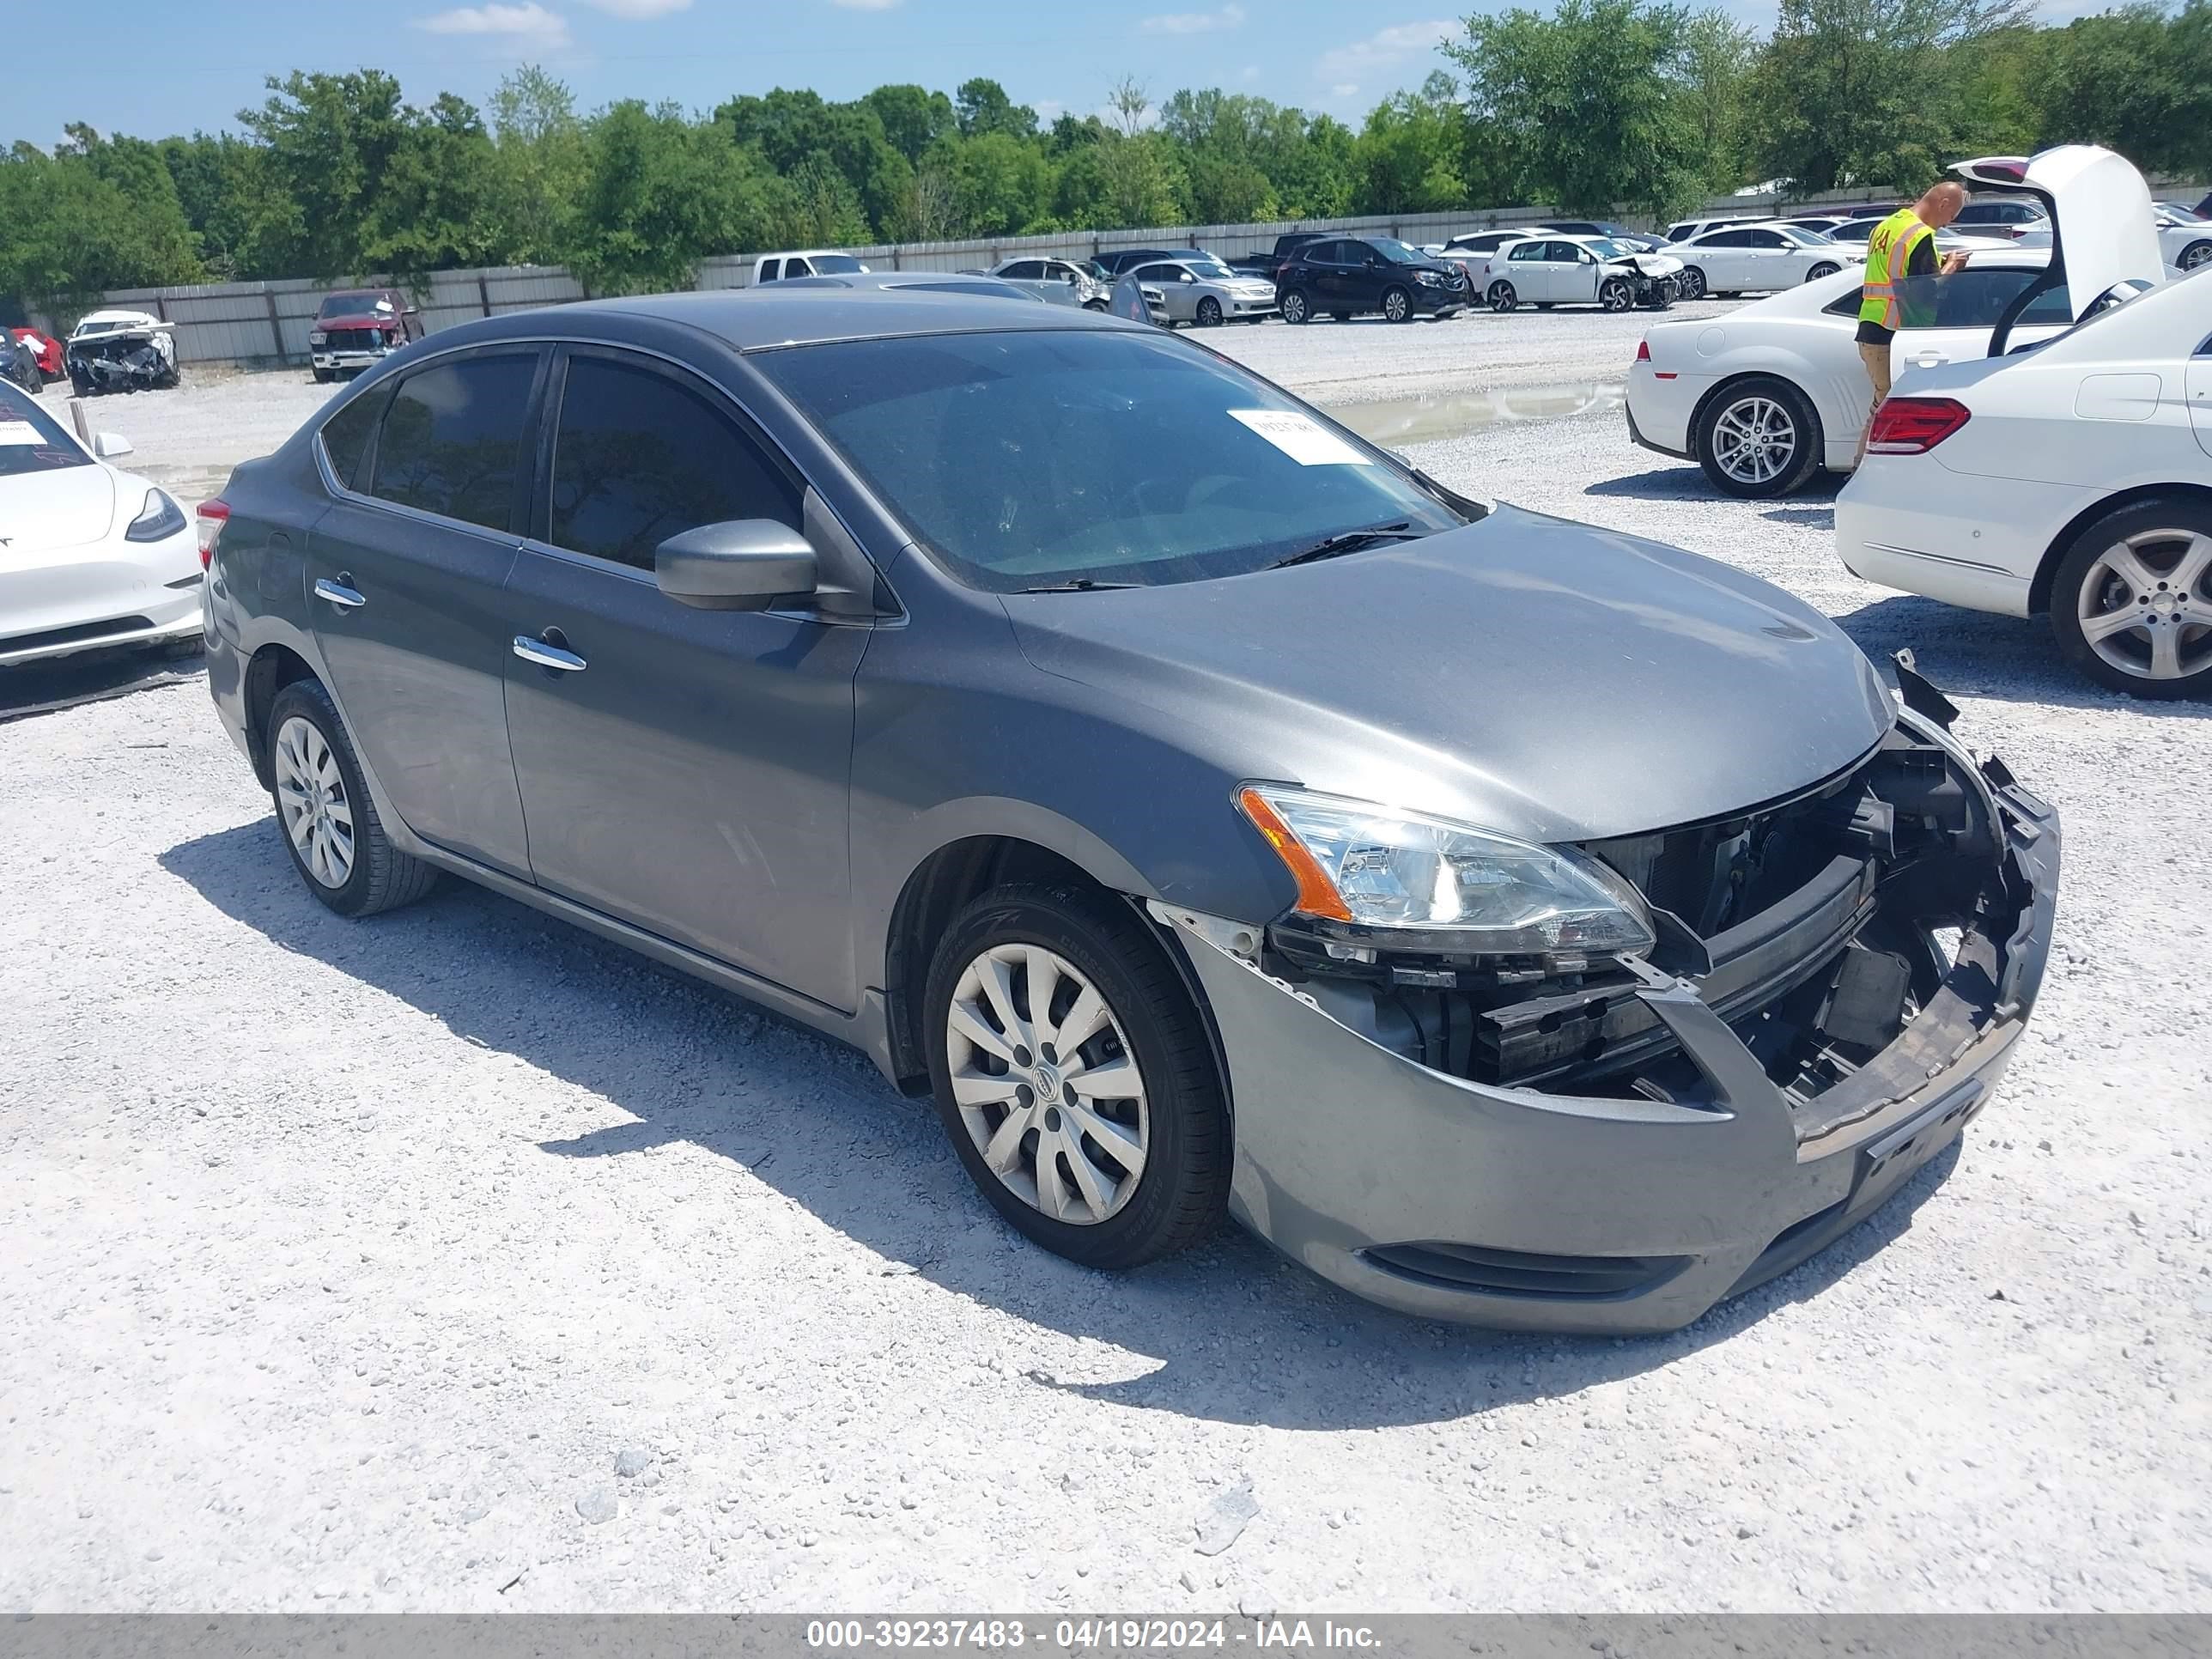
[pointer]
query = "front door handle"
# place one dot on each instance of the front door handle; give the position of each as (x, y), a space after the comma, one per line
(1930, 360)
(547, 655)
(340, 593)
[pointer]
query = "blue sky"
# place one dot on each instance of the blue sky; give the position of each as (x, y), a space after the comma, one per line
(1338, 55)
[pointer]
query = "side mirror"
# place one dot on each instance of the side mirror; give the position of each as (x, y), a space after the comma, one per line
(741, 564)
(109, 444)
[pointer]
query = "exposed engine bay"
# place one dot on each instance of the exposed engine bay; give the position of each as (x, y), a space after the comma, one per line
(1817, 927)
(121, 360)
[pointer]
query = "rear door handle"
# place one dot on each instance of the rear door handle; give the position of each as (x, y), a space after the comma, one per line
(339, 593)
(1930, 360)
(547, 655)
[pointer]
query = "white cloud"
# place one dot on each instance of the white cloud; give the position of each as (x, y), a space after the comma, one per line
(1249, 72)
(1345, 89)
(1383, 51)
(640, 7)
(1048, 110)
(530, 24)
(1193, 22)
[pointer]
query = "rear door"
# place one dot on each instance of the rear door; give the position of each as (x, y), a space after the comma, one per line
(404, 574)
(1950, 319)
(689, 774)
(2200, 393)
(1528, 270)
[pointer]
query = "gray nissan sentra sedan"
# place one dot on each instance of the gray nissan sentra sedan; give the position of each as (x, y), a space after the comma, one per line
(1515, 922)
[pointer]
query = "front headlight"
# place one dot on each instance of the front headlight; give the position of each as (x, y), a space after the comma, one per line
(1376, 866)
(157, 520)
(1433, 279)
(317, 338)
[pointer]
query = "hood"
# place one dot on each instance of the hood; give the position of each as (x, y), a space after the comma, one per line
(2103, 231)
(106, 323)
(1651, 264)
(376, 319)
(67, 507)
(1542, 678)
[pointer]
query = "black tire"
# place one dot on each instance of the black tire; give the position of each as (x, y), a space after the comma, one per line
(80, 385)
(1209, 312)
(1824, 268)
(1183, 1191)
(1501, 296)
(1397, 304)
(1096, 305)
(324, 377)
(1793, 468)
(2162, 606)
(382, 876)
(2195, 255)
(1294, 307)
(1614, 294)
(1692, 282)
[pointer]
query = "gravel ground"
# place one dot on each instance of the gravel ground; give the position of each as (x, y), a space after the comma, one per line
(456, 1260)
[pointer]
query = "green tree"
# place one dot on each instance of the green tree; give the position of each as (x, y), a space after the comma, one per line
(326, 141)
(660, 195)
(982, 106)
(789, 129)
(912, 119)
(1407, 156)
(999, 182)
(1588, 101)
(434, 207)
(1867, 92)
(537, 162)
(2114, 79)
(66, 234)
(1718, 56)
(134, 169)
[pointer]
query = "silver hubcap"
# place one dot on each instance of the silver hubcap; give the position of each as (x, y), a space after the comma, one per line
(311, 794)
(2195, 255)
(1754, 440)
(1294, 307)
(1047, 1086)
(1395, 307)
(2146, 607)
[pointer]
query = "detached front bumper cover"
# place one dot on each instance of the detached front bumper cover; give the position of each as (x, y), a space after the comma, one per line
(1515, 1208)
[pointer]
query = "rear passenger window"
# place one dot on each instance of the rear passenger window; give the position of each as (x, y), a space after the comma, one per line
(638, 458)
(453, 439)
(345, 434)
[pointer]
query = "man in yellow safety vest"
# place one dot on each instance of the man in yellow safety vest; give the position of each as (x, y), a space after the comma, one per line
(1900, 247)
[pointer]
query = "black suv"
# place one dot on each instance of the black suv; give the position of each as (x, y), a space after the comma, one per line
(1345, 276)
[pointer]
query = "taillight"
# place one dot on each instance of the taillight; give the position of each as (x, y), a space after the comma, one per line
(1913, 426)
(1644, 351)
(213, 515)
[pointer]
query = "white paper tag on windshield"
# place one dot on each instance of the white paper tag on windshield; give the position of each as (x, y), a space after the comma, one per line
(1301, 437)
(19, 432)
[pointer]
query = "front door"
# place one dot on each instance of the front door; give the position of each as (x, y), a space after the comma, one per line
(2200, 394)
(1571, 272)
(690, 773)
(1952, 320)
(403, 577)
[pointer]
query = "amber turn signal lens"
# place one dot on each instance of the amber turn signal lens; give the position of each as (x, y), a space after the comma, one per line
(1317, 895)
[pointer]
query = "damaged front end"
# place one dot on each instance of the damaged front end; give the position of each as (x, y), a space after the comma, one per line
(1570, 1141)
(1653, 278)
(124, 360)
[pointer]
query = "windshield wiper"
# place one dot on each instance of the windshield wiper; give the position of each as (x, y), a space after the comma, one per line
(1351, 541)
(1080, 585)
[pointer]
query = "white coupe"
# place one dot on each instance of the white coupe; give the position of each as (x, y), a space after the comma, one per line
(1765, 398)
(1755, 259)
(90, 556)
(2073, 478)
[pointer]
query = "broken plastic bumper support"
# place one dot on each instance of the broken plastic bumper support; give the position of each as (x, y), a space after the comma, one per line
(1520, 1209)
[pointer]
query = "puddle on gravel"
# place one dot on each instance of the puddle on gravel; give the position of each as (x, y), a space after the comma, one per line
(1452, 415)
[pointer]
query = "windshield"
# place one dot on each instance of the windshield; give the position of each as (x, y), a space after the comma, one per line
(1606, 248)
(1858, 230)
(1209, 266)
(835, 264)
(30, 442)
(355, 305)
(1030, 458)
(1397, 253)
(1802, 236)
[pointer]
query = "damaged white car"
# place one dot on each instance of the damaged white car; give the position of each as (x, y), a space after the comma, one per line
(1577, 270)
(120, 351)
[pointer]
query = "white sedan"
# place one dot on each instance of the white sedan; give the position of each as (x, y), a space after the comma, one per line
(89, 556)
(1560, 269)
(1765, 398)
(2074, 479)
(1755, 259)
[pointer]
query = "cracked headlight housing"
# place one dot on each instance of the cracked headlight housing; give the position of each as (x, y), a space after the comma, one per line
(1429, 279)
(1458, 887)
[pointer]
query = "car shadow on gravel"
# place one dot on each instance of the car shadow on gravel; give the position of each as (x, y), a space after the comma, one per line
(1240, 1335)
(1687, 483)
(1979, 654)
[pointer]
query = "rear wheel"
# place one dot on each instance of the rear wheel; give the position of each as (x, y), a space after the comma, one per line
(1758, 439)
(1502, 297)
(2131, 603)
(1613, 295)
(337, 842)
(1397, 305)
(1824, 268)
(1209, 312)
(2195, 255)
(1294, 307)
(1691, 283)
(1075, 1077)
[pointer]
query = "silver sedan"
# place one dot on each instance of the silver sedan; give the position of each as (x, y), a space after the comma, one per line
(1201, 290)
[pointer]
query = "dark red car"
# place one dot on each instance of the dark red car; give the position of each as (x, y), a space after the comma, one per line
(44, 348)
(357, 328)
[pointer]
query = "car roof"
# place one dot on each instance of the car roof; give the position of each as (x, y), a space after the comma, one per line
(782, 315)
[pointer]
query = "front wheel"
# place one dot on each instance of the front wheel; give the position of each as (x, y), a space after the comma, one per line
(1294, 307)
(1613, 295)
(1209, 312)
(1075, 1077)
(1692, 282)
(1758, 439)
(324, 377)
(2131, 603)
(1502, 297)
(2195, 255)
(1824, 268)
(1397, 305)
(331, 826)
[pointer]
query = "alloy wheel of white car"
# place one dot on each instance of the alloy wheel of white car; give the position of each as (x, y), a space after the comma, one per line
(2145, 605)
(2195, 255)
(1824, 268)
(1048, 1087)
(311, 794)
(1614, 295)
(1692, 282)
(1502, 297)
(1209, 312)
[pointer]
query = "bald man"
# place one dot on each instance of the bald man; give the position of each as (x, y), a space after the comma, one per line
(1902, 245)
